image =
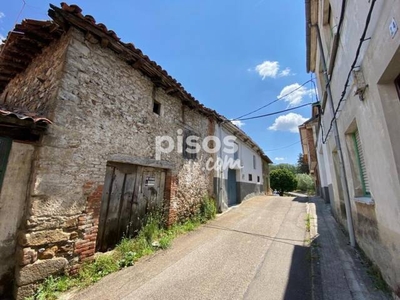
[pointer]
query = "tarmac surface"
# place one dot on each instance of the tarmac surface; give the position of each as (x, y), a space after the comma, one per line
(257, 250)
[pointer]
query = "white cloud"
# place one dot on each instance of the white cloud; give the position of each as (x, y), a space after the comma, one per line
(285, 72)
(271, 69)
(297, 93)
(268, 69)
(1, 39)
(279, 158)
(289, 122)
(2, 15)
(238, 123)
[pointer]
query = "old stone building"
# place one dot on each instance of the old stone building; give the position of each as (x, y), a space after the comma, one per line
(80, 113)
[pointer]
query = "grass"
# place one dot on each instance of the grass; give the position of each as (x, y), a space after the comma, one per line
(308, 222)
(152, 237)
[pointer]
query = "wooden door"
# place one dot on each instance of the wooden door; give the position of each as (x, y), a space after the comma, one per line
(130, 193)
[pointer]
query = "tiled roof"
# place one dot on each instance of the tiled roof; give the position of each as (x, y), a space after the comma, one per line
(38, 34)
(22, 45)
(23, 115)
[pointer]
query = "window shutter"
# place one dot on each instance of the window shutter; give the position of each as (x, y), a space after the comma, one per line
(361, 161)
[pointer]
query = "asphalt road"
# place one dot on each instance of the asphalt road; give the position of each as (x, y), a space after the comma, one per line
(254, 251)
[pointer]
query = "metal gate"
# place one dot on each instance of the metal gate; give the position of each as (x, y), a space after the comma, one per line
(130, 193)
(232, 195)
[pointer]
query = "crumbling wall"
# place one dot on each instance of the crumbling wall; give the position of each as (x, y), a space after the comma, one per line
(35, 89)
(104, 107)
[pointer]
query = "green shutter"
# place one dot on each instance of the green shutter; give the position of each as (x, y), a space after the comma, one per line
(5, 147)
(361, 164)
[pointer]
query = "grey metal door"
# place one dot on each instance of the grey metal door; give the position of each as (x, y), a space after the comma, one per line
(232, 195)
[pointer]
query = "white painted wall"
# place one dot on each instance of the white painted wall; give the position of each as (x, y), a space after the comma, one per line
(246, 158)
(376, 220)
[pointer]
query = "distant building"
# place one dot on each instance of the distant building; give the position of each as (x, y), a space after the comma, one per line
(354, 51)
(249, 177)
(308, 137)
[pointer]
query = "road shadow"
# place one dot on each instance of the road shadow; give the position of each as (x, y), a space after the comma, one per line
(302, 199)
(299, 284)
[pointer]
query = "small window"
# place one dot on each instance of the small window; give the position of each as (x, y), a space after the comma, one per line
(187, 149)
(250, 177)
(254, 162)
(361, 164)
(258, 178)
(156, 107)
(236, 154)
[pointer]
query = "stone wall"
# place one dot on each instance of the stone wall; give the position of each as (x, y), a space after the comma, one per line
(12, 208)
(34, 90)
(104, 107)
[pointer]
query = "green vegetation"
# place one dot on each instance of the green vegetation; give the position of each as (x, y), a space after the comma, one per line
(152, 237)
(308, 222)
(283, 180)
(305, 183)
(302, 167)
(291, 168)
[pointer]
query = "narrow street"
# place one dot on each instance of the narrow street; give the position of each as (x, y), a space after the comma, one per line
(254, 251)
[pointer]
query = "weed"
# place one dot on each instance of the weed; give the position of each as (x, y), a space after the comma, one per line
(127, 252)
(308, 222)
(208, 209)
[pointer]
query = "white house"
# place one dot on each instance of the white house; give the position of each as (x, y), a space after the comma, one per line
(241, 173)
(353, 48)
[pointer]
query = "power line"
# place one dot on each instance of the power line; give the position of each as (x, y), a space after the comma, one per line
(276, 149)
(276, 100)
(353, 66)
(273, 113)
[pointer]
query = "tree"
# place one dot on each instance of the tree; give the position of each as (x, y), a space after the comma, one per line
(283, 180)
(289, 167)
(305, 183)
(302, 167)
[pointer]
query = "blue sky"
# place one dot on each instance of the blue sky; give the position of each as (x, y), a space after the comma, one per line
(233, 56)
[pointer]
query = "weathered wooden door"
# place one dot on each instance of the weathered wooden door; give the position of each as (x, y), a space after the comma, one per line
(130, 193)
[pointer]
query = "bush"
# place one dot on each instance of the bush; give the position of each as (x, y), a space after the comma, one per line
(283, 180)
(305, 183)
(208, 210)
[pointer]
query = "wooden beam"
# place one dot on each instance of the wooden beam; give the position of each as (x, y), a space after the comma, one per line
(170, 90)
(104, 42)
(137, 64)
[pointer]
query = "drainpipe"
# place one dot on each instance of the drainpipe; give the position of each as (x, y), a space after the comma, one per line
(343, 177)
(220, 171)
